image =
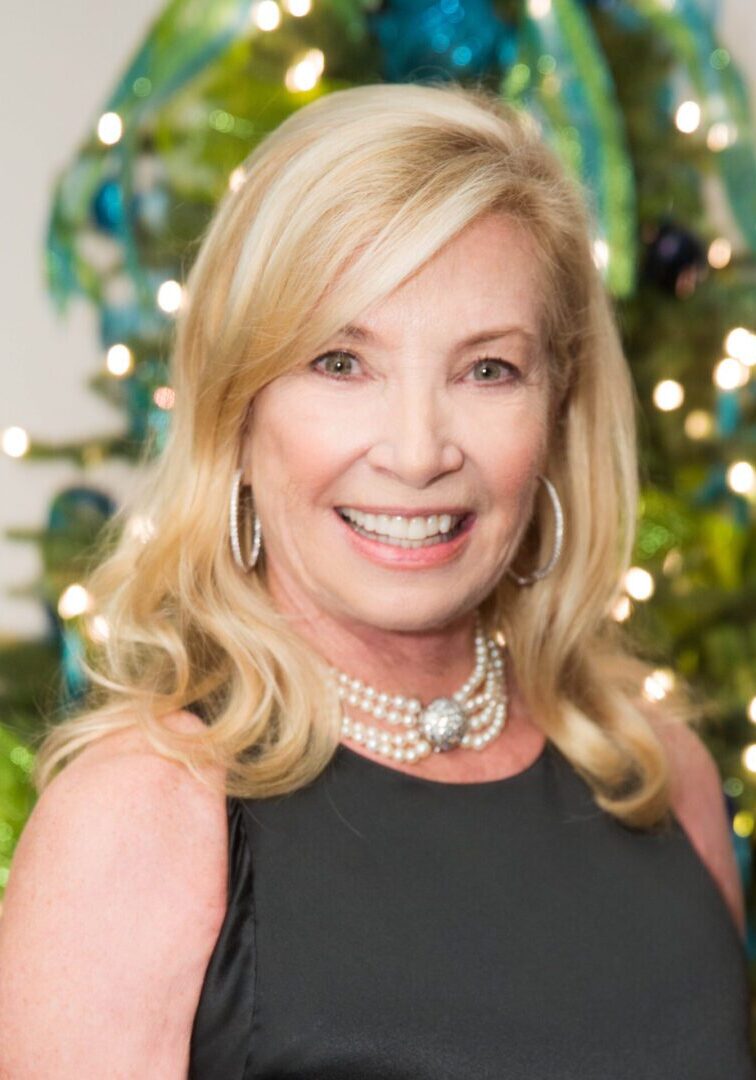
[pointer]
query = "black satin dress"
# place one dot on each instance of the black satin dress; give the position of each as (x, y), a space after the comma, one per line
(382, 926)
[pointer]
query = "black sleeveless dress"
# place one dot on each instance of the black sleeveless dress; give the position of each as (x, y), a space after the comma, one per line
(382, 926)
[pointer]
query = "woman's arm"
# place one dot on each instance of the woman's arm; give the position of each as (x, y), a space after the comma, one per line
(698, 802)
(114, 902)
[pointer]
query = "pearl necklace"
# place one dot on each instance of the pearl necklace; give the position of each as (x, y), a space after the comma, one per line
(469, 718)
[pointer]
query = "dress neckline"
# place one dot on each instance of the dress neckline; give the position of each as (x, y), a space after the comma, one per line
(425, 781)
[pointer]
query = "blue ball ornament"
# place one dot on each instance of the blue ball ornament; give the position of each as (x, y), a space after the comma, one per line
(108, 208)
(81, 509)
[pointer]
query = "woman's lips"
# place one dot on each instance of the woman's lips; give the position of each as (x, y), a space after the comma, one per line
(393, 555)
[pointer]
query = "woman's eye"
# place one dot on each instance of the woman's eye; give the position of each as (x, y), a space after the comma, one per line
(336, 363)
(493, 370)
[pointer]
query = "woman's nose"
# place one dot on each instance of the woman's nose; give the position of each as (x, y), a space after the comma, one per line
(415, 439)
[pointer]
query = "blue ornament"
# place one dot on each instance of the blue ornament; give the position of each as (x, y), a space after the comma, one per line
(451, 38)
(72, 654)
(108, 206)
(146, 418)
(728, 412)
(121, 323)
(76, 515)
(81, 509)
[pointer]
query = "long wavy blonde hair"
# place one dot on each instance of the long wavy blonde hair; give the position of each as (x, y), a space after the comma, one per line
(344, 200)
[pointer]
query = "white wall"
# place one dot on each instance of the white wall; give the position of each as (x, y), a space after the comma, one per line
(58, 63)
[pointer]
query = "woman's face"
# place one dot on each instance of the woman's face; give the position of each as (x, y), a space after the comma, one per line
(409, 417)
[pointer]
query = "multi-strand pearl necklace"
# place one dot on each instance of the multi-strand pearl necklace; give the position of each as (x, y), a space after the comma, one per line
(470, 717)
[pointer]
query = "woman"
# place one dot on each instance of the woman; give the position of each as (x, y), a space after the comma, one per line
(372, 788)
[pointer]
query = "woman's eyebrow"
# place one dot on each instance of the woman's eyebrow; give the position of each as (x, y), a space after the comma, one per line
(362, 333)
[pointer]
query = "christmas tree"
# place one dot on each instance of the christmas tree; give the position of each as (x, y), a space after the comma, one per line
(646, 109)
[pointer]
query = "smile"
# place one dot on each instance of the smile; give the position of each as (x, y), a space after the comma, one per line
(398, 530)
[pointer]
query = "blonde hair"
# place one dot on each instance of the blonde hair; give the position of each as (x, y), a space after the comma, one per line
(345, 199)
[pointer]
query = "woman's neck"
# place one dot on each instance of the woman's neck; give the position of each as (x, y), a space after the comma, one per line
(429, 664)
(426, 663)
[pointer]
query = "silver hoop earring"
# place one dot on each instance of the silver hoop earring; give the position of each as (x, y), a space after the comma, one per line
(233, 524)
(558, 540)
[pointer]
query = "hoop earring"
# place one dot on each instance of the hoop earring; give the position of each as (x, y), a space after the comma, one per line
(558, 539)
(233, 523)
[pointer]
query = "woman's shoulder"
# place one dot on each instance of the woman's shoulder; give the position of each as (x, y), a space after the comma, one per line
(129, 740)
(146, 801)
(698, 803)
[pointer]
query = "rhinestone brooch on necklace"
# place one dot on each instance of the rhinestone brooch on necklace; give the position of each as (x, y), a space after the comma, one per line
(471, 717)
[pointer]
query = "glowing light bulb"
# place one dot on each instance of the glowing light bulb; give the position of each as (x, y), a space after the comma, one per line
(741, 477)
(304, 74)
(748, 757)
(170, 297)
(752, 710)
(665, 677)
(164, 397)
(600, 254)
(742, 823)
(15, 442)
(720, 136)
(109, 128)
(729, 374)
(658, 684)
(668, 395)
(266, 15)
(539, 9)
(699, 424)
(720, 253)
(236, 178)
(73, 601)
(741, 345)
(119, 360)
(98, 628)
(652, 691)
(298, 8)
(622, 609)
(673, 562)
(639, 583)
(688, 117)
(141, 528)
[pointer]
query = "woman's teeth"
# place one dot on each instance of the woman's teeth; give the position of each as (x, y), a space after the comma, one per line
(403, 531)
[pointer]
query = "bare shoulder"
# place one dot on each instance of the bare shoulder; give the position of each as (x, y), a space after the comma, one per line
(115, 898)
(699, 805)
